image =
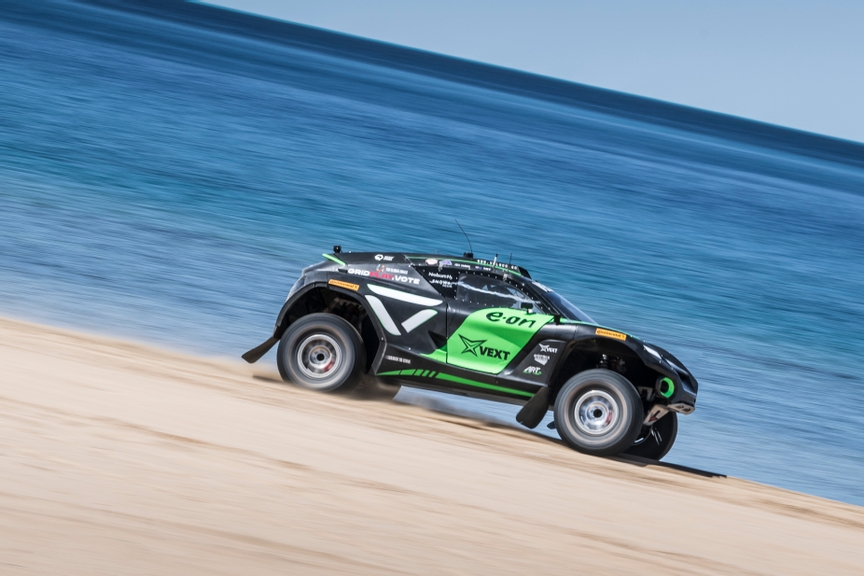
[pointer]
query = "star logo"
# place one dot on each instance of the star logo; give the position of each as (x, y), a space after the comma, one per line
(471, 345)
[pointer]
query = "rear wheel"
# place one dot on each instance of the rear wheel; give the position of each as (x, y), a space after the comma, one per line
(655, 442)
(598, 412)
(322, 352)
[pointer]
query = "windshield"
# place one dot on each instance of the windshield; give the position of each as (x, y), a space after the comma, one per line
(567, 309)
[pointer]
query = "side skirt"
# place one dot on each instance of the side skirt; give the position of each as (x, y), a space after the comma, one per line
(448, 380)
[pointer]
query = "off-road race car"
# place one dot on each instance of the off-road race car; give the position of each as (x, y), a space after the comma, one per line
(372, 322)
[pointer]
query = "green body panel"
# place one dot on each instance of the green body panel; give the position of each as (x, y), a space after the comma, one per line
(489, 339)
(439, 355)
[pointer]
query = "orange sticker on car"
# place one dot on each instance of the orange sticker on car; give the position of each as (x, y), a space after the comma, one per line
(611, 334)
(346, 285)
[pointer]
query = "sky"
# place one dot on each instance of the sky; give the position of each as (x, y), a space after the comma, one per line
(794, 63)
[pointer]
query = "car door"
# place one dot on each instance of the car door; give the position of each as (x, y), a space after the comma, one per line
(408, 314)
(489, 322)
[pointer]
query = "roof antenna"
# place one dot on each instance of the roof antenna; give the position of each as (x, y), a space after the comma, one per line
(466, 254)
(510, 261)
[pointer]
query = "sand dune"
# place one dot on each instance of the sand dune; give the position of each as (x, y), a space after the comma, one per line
(123, 459)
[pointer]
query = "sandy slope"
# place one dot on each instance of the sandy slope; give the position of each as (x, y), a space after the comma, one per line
(122, 459)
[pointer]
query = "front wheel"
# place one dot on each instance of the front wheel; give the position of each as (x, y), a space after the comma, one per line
(322, 352)
(598, 412)
(654, 442)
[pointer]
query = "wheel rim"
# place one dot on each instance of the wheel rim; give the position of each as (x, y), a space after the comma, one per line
(596, 413)
(319, 356)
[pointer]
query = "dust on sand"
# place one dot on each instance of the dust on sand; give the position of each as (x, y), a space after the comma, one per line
(123, 459)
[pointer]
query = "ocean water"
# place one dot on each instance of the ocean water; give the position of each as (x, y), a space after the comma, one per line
(164, 176)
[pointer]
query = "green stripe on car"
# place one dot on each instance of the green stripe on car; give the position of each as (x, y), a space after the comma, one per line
(458, 380)
(334, 259)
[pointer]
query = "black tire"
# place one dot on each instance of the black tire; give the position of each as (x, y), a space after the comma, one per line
(322, 352)
(609, 413)
(654, 442)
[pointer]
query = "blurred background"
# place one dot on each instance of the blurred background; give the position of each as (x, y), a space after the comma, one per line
(166, 170)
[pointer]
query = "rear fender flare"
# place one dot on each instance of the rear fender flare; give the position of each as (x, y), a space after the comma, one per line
(283, 320)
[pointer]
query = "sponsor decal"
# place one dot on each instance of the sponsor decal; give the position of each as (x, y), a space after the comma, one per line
(513, 320)
(476, 348)
(533, 370)
(610, 334)
(385, 258)
(439, 275)
(385, 268)
(398, 359)
(446, 263)
(346, 285)
(384, 276)
(541, 359)
(431, 261)
(396, 277)
(512, 267)
(548, 349)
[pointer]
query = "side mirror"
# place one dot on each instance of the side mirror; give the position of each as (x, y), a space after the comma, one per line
(527, 306)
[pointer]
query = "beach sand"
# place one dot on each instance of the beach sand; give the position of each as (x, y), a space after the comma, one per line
(118, 458)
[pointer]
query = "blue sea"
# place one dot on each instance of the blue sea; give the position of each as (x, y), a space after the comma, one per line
(166, 170)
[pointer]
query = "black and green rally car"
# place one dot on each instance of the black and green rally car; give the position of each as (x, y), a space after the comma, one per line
(463, 325)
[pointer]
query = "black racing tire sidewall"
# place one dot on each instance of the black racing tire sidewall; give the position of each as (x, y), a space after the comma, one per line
(623, 393)
(667, 426)
(343, 333)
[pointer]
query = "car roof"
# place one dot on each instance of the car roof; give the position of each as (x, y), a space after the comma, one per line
(465, 262)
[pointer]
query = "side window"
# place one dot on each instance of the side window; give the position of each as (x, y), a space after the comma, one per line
(484, 292)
